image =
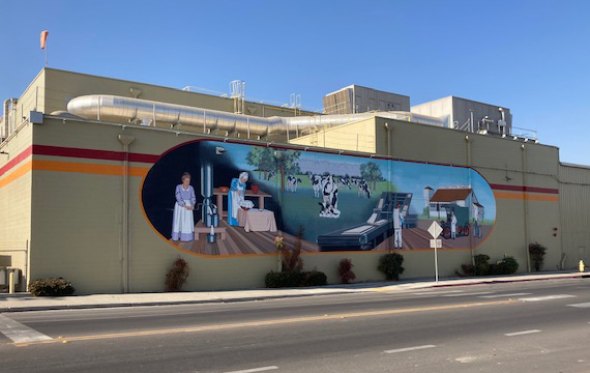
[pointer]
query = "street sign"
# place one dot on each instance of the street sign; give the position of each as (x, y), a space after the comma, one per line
(436, 244)
(435, 229)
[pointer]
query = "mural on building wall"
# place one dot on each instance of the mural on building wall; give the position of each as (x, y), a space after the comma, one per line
(221, 198)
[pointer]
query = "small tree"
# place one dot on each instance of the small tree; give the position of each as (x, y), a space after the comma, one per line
(391, 266)
(177, 275)
(537, 254)
(345, 271)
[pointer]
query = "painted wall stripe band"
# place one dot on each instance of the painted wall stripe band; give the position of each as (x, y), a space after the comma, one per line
(109, 155)
(500, 191)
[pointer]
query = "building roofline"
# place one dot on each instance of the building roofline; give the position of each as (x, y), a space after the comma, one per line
(165, 87)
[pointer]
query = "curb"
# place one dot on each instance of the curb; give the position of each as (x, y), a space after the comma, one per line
(284, 296)
(506, 281)
(161, 303)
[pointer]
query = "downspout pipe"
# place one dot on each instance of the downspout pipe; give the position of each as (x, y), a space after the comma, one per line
(125, 140)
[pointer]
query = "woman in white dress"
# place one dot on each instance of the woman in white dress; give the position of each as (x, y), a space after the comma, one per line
(183, 223)
(236, 198)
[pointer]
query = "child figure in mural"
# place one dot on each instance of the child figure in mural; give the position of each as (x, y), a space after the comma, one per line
(183, 223)
(398, 221)
(236, 198)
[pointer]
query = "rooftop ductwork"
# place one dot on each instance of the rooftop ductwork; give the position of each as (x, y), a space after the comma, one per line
(127, 109)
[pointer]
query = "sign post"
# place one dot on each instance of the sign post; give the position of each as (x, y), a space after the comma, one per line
(435, 230)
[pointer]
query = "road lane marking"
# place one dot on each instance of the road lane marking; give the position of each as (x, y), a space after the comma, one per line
(283, 321)
(406, 349)
(434, 292)
(262, 369)
(524, 332)
(468, 294)
(580, 305)
(546, 297)
(504, 295)
(20, 333)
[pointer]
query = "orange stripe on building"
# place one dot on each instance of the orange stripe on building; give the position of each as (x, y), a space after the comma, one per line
(87, 168)
(18, 172)
(83, 168)
(527, 196)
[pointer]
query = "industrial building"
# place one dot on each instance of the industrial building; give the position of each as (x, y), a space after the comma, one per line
(89, 167)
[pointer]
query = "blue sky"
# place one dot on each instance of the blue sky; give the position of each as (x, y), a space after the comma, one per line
(529, 55)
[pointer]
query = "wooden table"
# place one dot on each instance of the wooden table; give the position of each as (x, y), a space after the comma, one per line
(248, 193)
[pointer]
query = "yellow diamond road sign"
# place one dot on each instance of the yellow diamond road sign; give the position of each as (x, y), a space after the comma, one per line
(435, 229)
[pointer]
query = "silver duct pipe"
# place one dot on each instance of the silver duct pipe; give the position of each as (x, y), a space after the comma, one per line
(8, 104)
(118, 108)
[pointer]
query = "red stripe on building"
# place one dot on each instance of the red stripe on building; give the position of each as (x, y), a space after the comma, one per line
(16, 160)
(107, 155)
(522, 188)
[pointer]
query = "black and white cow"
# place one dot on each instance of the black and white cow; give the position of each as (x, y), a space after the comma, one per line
(270, 174)
(363, 189)
(316, 184)
(292, 183)
(329, 204)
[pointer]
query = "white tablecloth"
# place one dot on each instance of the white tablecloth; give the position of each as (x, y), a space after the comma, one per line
(260, 221)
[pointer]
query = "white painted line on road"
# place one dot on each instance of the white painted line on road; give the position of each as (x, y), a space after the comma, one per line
(546, 297)
(263, 369)
(524, 332)
(504, 295)
(434, 292)
(20, 333)
(580, 305)
(408, 349)
(468, 294)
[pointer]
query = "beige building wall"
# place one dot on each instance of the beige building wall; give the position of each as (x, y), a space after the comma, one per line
(574, 190)
(358, 136)
(15, 201)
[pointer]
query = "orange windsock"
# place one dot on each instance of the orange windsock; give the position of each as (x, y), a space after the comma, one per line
(43, 39)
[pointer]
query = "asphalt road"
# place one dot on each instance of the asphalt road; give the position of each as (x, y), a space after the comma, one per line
(541, 326)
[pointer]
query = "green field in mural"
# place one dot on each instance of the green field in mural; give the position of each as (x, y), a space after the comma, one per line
(222, 198)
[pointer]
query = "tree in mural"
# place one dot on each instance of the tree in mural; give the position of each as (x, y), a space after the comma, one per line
(262, 159)
(371, 172)
(285, 162)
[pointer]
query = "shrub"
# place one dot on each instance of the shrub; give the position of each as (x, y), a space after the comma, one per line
(283, 279)
(294, 279)
(314, 278)
(466, 270)
(482, 267)
(391, 266)
(345, 271)
(507, 266)
(537, 254)
(177, 275)
(51, 287)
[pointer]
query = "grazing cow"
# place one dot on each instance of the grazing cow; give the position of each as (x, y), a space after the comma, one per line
(364, 189)
(292, 183)
(316, 184)
(270, 174)
(329, 204)
(346, 180)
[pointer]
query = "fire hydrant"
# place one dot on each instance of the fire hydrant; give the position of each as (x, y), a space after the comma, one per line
(581, 266)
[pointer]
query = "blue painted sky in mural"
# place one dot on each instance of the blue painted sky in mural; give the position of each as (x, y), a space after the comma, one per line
(410, 177)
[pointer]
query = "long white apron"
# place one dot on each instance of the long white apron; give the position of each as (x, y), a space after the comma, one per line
(183, 225)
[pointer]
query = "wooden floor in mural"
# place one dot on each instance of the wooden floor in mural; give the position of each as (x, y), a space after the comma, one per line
(238, 242)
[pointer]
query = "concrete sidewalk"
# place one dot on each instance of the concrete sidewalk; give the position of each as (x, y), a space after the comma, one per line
(25, 302)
